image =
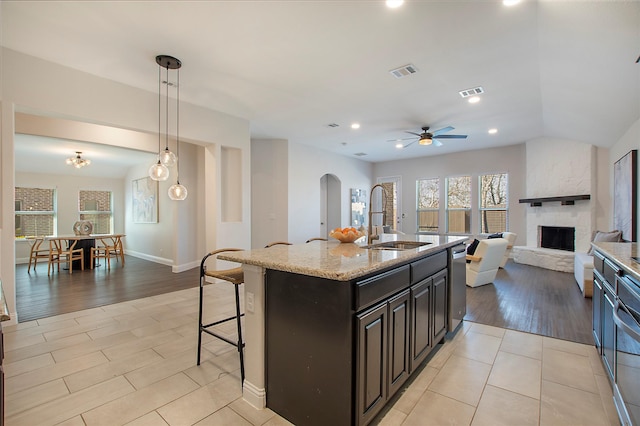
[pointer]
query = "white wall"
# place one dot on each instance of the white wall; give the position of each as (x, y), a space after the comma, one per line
(67, 188)
(630, 140)
(306, 166)
(40, 87)
(509, 159)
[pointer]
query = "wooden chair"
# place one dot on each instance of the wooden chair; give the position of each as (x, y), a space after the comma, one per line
(116, 248)
(37, 253)
(58, 254)
(236, 277)
(104, 251)
(277, 243)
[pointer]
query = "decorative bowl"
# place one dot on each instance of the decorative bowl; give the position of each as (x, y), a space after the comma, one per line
(346, 235)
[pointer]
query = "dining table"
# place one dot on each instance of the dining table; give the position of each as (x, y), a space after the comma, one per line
(86, 242)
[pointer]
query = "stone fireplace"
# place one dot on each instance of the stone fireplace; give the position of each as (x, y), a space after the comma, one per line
(555, 170)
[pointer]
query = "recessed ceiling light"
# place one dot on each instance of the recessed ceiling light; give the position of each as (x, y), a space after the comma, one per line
(355, 126)
(392, 4)
(493, 131)
(474, 99)
(510, 2)
(399, 145)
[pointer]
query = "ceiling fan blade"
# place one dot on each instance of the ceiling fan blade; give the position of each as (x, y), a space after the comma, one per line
(400, 139)
(412, 133)
(452, 137)
(436, 142)
(443, 130)
(409, 144)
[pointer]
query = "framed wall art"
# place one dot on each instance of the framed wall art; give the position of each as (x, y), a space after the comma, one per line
(145, 200)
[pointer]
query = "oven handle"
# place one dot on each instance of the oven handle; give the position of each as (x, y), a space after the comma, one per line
(624, 326)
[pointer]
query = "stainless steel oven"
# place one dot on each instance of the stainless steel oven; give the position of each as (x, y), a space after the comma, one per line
(626, 317)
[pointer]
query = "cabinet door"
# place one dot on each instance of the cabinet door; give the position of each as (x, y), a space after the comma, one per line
(608, 330)
(597, 298)
(439, 290)
(399, 321)
(372, 362)
(420, 322)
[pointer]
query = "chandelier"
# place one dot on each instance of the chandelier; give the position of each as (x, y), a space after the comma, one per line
(166, 158)
(78, 162)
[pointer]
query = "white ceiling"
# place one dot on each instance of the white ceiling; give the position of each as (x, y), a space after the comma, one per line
(558, 69)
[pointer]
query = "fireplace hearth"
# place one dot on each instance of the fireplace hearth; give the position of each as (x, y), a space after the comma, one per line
(557, 237)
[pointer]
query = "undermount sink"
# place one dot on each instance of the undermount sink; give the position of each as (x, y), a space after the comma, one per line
(397, 245)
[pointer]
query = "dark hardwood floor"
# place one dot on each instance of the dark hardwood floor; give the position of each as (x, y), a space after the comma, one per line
(535, 300)
(40, 296)
(523, 297)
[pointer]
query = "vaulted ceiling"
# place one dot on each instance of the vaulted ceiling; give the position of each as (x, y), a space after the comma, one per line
(557, 69)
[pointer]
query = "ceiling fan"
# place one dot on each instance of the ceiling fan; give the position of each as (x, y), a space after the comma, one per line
(427, 138)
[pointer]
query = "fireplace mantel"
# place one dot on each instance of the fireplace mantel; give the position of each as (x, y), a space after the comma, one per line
(566, 200)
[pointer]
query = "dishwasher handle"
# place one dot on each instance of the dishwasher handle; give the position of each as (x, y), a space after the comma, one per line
(459, 254)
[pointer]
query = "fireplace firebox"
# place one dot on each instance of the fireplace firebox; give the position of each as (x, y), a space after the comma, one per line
(557, 237)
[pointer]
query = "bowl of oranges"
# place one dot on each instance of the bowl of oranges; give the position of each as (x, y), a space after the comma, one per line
(346, 235)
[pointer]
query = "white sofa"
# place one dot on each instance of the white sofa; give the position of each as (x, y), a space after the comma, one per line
(583, 272)
(511, 239)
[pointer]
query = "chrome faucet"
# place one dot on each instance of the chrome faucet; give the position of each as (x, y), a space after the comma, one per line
(370, 236)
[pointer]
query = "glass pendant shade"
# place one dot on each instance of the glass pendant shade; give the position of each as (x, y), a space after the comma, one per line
(168, 158)
(177, 192)
(159, 171)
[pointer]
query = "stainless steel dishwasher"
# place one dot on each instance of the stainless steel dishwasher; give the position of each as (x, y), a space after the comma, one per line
(458, 286)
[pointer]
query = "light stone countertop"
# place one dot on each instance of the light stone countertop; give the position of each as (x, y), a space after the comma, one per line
(622, 253)
(340, 261)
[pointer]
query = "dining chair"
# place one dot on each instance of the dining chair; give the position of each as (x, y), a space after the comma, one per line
(37, 253)
(102, 251)
(59, 254)
(116, 248)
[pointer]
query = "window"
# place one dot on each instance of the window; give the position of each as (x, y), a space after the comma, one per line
(493, 203)
(459, 205)
(35, 211)
(95, 206)
(428, 202)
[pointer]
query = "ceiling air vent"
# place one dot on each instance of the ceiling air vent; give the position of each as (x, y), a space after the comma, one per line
(404, 71)
(360, 154)
(471, 92)
(333, 125)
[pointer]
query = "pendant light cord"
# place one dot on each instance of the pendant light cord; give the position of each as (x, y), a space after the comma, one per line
(159, 112)
(178, 128)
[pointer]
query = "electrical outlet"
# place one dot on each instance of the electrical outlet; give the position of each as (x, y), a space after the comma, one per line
(249, 304)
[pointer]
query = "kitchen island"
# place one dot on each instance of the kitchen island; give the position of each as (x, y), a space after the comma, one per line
(333, 330)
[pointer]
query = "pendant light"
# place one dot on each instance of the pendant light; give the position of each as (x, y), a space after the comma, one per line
(166, 158)
(177, 192)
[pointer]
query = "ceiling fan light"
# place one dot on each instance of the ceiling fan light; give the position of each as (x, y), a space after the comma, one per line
(425, 141)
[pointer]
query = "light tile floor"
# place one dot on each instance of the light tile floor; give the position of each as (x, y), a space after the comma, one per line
(133, 363)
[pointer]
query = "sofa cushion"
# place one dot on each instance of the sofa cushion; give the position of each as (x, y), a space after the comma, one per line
(608, 237)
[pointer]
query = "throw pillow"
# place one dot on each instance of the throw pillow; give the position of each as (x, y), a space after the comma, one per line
(608, 237)
(471, 248)
(496, 235)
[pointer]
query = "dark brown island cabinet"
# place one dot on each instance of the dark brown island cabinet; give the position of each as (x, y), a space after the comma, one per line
(337, 351)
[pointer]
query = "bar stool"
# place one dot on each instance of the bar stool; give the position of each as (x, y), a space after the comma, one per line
(236, 277)
(315, 239)
(278, 243)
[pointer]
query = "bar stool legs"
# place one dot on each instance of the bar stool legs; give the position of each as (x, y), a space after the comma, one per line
(236, 277)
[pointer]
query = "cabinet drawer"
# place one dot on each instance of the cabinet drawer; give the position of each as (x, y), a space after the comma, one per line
(428, 266)
(374, 289)
(610, 272)
(598, 262)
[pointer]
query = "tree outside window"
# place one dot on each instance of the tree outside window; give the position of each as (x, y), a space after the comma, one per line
(428, 202)
(458, 205)
(493, 203)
